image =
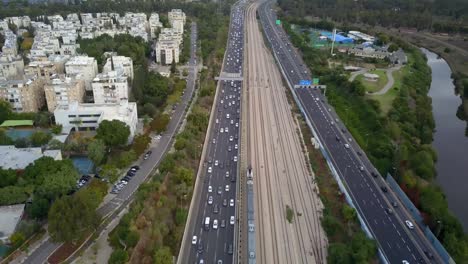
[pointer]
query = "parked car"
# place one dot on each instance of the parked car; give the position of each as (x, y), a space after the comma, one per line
(147, 155)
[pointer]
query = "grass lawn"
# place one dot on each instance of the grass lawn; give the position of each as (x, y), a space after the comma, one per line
(374, 86)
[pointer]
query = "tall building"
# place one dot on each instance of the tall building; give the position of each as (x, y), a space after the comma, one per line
(10, 47)
(84, 65)
(11, 67)
(26, 95)
(167, 51)
(43, 69)
(89, 116)
(63, 90)
(110, 87)
(119, 63)
(177, 19)
(154, 25)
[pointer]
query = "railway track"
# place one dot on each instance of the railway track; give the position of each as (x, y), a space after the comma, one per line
(282, 175)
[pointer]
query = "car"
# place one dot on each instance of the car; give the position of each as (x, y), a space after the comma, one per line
(217, 120)
(395, 204)
(233, 178)
(343, 130)
(230, 249)
(251, 255)
(389, 211)
(231, 138)
(131, 173)
(223, 223)
(194, 240)
(215, 224)
(232, 122)
(200, 248)
(404, 262)
(124, 182)
(135, 167)
(224, 202)
(216, 163)
(236, 137)
(226, 129)
(210, 169)
(210, 199)
(350, 139)
(236, 146)
(384, 189)
(147, 155)
(210, 189)
(227, 116)
(229, 148)
(231, 203)
(374, 174)
(237, 124)
(409, 224)
(221, 165)
(251, 227)
(214, 140)
(338, 138)
(221, 130)
(220, 190)
(235, 159)
(428, 254)
(346, 146)
(359, 153)
(226, 188)
(219, 261)
(361, 168)
(215, 209)
(126, 178)
(227, 174)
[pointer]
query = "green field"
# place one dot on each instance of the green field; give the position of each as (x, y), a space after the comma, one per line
(386, 99)
(374, 86)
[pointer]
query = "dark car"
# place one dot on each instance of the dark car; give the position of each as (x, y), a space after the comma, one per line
(428, 254)
(131, 173)
(126, 178)
(230, 249)
(359, 153)
(384, 189)
(147, 155)
(389, 211)
(337, 138)
(374, 174)
(200, 248)
(136, 167)
(233, 178)
(394, 204)
(224, 202)
(215, 209)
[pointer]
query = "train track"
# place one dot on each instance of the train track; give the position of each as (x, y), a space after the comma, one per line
(282, 175)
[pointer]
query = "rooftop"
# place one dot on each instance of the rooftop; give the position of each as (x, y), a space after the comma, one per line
(10, 216)
(18, 158)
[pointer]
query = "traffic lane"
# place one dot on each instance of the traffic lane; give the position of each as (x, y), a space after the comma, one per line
(358, 193)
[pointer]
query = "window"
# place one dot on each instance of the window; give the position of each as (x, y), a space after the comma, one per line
(90, 122)
(85, 116)
(71, 115)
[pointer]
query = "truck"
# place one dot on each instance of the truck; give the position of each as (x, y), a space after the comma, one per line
(207, 223)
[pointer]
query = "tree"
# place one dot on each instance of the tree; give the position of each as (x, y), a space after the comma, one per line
(12, 195)
(113, 133)
(42, 119)
(55, 144)
(140, 143)
(4, 138)
(58, 183)
(393, 47)
(173, 67)
(126, 158)
(8, 177)
(57, 129)
(118, 256)
(39, 208)
(40, 138)
(110, 172)
(17, 239)
(5, 111)
(159, 124)
(71, 217)
(163, 255)
(338, 254)
(97, 151)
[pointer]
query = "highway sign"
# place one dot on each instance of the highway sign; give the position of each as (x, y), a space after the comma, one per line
(278, 22)
(315, 81)
(305, 82)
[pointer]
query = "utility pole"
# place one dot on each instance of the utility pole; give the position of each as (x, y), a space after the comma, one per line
(333, 41)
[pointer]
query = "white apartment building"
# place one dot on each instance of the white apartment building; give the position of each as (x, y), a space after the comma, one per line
(3, 25)
(26, 95)
(87, 66)
(119, 63)
(171, 34)
(63, 90)
(110, 87)
(177, 19)
(11, 67)
(23, 21)
(43, 69)
(154, 24)
(89, 116)
(167, 51)
(10, 47)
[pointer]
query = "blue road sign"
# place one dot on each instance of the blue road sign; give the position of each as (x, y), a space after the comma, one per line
(305, 82)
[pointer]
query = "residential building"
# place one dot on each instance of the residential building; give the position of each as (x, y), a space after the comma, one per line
(11, 67)
(10, 216)
(399, 57)
(42, 69)
(167, 51)
(177, 19)
(89, 116)
(25, 95)
(119, 62)
(87, 66)
(369, 52)
(110, 87)
(154, 25)
(10, 47)
(19, 158)
(62, 90)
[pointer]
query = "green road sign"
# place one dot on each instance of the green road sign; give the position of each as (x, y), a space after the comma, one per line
(278, 22)
(315, 81)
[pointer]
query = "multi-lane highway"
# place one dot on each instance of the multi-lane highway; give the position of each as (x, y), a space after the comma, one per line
(210, 232)
(118, 201)
(282, 177)
(382, 212)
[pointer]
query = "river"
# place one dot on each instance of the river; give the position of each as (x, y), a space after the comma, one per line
(450, 141)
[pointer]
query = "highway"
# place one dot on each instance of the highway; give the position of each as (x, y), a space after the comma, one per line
(214, 201)
(116, 202)
(396, 240)
(282, 177)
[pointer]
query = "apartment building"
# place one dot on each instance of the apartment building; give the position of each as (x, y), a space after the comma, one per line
(10, 46)
(25, 95)
(87, 66)
(119, 63)
(110, 87)
(63, 90)
(177, 19)
(11, 67)
(154, 25)
(167, 51)
(43, 69)
(89, 116)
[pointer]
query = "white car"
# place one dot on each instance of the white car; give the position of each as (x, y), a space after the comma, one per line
(226, 129)
(236, 146)
(216, 162)
(237, 124)
(210, 200)
(215, 224)
(227, 116)
(346, 146)
(221, 130)
(409, 224)
(194, 240)
(210, 169)
(235, 158)
(214, 140)
(231, 202)
(227, 174)
(232, 220)
(210, 189)
(231, 138)
(226, 188)
(232, 122)
(217, 120)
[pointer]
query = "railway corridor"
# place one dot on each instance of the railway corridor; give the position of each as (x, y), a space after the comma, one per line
(281, 174)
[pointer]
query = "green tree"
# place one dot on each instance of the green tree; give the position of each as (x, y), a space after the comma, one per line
(113, 133)
(110, 172)
(12, 195)
(163, 255)
(17, 239)
(338, 253)
(55, 144)
(126, 158)
(118, 256)
(40, 138)
(159, 124)
(39, 208)
(173, 67)
(4, 138)
(132, 239)
(393, 47)
(42, 119)
(58, 183)
(97, 151)
(140, 144)
(8, 177)
(57, 129)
